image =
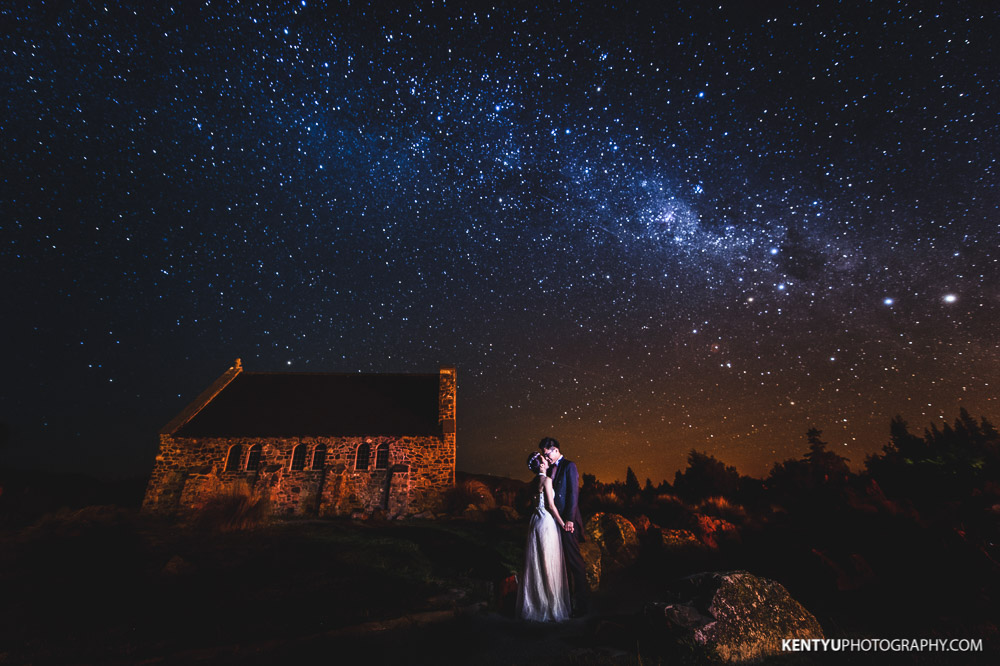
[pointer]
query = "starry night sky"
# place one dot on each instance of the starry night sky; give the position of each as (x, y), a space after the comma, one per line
(640, 230)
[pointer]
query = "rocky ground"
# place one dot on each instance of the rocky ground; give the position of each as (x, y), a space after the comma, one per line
(102, 585)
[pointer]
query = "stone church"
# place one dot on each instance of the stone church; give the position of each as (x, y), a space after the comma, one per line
(312, 443)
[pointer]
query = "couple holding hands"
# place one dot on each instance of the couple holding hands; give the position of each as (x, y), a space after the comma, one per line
(553, 586)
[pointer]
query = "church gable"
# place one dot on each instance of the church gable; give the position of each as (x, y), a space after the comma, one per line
(314, 443)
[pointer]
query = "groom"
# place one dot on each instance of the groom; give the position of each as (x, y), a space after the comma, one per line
(566, 491)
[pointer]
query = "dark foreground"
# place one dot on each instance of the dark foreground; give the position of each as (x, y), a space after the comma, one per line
(103, 585)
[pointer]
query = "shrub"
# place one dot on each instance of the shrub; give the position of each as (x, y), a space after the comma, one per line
(722, 508)
(669, 510)
(470, 491)
(235, 507)
(78, 522)
(607, 502)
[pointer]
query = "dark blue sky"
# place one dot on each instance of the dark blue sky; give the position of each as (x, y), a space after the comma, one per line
(640, 230)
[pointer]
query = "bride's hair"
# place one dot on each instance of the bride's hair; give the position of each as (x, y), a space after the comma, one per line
(535, 461)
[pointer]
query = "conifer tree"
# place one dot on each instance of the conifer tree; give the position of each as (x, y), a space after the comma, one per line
(631, 482)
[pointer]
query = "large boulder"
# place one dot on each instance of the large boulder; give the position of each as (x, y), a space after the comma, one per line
(737, 616)
(617, 538)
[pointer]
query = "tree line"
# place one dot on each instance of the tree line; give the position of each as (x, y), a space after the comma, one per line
(950, 462)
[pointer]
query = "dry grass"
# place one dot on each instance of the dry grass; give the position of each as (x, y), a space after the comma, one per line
(470, 492)
(721, 507)
(236, 507)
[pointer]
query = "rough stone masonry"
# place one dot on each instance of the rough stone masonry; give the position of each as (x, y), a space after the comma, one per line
(312, 444)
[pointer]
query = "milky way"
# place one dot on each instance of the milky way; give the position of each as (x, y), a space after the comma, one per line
(640, 231)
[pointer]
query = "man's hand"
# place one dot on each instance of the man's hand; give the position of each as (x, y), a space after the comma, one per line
(568, 526)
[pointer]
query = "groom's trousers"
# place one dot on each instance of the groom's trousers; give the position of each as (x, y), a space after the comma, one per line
(577, 571)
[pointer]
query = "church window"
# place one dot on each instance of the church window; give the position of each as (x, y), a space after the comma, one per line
(382, 456)
(364, 454)
(319, 457)
(253, 459)
(234, 458)
(299, 458)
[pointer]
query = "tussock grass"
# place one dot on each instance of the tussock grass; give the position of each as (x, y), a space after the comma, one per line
(236, 507)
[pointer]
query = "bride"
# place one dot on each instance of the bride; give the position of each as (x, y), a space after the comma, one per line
(543, 593)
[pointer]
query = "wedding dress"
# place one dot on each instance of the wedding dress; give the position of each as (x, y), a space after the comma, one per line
(543, 593)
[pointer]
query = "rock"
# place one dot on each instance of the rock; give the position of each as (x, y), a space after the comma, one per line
(447, 599)
(616, 537)
(474, 514)
(853, 575)
(673, 540)
(592, 562)
(509, 514)
(177, 566)
(714, 529)
(642, 524)
(735, 615)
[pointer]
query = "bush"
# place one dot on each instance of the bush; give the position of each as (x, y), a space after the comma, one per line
(470, 491)
(607, 502)
(669, 510)
(721, 507)
(72, 523)
(235, 507)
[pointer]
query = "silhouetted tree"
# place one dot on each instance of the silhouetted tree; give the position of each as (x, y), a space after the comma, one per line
(824, 466)
(705, 476)
(751, 492)
(631, 483)
(648, 491)
(790, 479)
(799, 479)
(589, 491)
(948, 463)
(664, 487)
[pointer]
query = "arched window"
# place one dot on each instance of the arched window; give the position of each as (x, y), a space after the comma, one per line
(299, 458)
(382, 456)
(364, 455)
(319, 456)
(234, 458)
(253, 458)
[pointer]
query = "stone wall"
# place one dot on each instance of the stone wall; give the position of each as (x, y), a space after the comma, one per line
(189, 471)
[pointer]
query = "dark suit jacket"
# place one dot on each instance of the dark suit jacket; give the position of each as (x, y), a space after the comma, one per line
(566, 495)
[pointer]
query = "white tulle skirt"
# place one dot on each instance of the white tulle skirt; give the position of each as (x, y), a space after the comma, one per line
(543, 591)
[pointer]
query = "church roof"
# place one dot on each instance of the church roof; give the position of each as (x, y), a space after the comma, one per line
(265, 404)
